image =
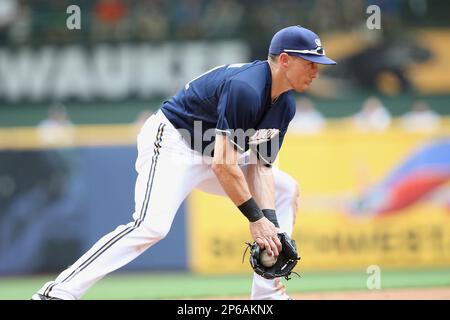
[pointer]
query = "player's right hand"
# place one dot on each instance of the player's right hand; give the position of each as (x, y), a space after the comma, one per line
(265, 235)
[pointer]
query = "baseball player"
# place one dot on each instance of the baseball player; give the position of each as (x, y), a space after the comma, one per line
(221, 133)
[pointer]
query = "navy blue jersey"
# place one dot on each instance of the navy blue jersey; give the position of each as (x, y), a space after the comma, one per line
(235, 100)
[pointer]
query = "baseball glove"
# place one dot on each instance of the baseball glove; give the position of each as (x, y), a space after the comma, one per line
(286, 261)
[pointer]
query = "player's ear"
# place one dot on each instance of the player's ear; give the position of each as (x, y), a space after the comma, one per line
(283, 59)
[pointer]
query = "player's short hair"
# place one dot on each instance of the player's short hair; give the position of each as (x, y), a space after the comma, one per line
(273, 57)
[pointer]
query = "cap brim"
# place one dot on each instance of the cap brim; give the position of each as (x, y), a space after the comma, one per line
(314, 58)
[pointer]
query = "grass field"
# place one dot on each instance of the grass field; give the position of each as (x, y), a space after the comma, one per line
(124, 286)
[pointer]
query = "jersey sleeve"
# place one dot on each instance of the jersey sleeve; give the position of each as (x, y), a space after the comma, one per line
(237, 108)
(270, 132)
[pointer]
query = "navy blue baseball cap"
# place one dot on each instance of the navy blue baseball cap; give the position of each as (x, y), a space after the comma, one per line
(300, 42)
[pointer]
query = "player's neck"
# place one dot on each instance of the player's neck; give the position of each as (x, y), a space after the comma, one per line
(279, 83)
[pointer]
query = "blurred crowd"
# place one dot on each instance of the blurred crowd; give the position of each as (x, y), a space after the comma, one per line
(44, 21)
(373, 116)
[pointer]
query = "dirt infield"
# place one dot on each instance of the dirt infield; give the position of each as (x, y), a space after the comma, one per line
(386, 294)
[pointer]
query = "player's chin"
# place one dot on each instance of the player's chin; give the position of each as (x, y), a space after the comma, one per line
(302, 87)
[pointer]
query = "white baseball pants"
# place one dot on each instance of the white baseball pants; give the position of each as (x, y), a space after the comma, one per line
(168, 169)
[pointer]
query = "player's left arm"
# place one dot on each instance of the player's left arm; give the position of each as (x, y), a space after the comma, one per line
(230, 176)
(264, 147)
(261, 183)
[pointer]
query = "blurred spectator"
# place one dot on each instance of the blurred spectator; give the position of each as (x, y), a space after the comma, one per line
(307, 119)
(199, 19)
(418, 8)
(186, 20)
(222, 19)
(421, 118)
(151, 20)
(353, 14)
(57, 127)
(8, 11)
(20, 31)
(110, 21)
(373, 116)
(259, 21)
(54, 21)
(324, 15)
